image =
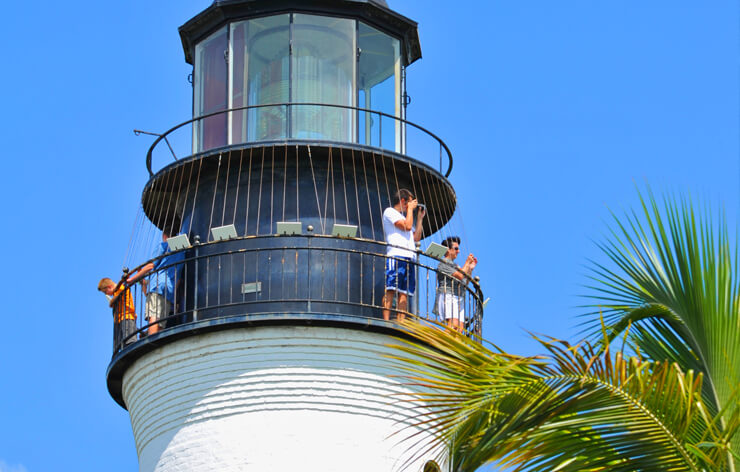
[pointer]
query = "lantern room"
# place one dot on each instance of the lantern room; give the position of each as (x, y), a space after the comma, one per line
(335, 74)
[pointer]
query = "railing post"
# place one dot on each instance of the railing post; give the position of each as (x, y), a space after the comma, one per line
(196, 244)
(415, 305)
(310, 229)
(479, 307)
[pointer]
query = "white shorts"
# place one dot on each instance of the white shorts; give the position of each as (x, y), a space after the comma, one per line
(157, 307)
(451, 307)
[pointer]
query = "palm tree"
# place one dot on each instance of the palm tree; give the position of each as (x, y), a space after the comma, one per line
(675, 284)
(671, 404)
(579, 408)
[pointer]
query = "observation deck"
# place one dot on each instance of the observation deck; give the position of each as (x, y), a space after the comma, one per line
(299, 123)
(281, 280)
(259, 277)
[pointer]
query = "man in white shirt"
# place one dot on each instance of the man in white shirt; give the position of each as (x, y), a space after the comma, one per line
(401, 235)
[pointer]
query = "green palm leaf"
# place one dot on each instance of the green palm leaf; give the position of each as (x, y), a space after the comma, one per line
(578, 408)
(674, 282)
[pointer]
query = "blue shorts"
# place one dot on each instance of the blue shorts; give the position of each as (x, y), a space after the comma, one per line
(400, 275)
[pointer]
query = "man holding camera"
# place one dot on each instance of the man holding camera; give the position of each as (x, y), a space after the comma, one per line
(401, 235)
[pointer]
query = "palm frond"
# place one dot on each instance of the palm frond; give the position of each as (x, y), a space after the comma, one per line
(674, 280)
(577, 408)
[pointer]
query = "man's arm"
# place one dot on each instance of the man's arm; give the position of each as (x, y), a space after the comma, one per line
(404, 224)
(467, 268)
(470, 264)
(462, 270)
(408, 223)
(140, 274)
(419, 227)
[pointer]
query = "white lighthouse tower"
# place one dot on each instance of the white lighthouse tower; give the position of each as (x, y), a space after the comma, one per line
(257, 337)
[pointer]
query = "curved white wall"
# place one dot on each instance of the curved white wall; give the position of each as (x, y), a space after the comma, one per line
(271, 399)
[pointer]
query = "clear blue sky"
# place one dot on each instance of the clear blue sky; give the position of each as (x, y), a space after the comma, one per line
(554, 111)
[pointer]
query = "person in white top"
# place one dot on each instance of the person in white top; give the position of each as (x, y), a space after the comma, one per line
(401, 235)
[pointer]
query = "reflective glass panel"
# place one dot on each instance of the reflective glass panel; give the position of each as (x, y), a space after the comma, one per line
(323, 71)
(379, 84)
(267, 66)
(238, 73)
(265, 62)
(210, 91)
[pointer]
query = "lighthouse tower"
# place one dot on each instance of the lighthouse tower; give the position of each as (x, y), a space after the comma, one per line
(256, 335)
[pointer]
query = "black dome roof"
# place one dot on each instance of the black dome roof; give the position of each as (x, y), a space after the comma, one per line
(373, 12)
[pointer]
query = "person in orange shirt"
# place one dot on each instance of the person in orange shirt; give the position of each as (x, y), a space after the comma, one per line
(124, 314)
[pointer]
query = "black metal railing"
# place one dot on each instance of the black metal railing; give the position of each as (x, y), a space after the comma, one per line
(310, 276)
(287, 131)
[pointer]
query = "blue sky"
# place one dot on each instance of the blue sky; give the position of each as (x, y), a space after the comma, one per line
(554, 111)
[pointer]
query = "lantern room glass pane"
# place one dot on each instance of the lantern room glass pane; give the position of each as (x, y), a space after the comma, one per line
(323, 71)
(267, 67)
(379, 87)
(238, 74)
(264, 63)
(210, 91)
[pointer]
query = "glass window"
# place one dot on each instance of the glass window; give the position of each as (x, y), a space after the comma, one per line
(210, 91)
(379, 87)
(298, 58)
(323, 71)
(267, 66)
(238, 73)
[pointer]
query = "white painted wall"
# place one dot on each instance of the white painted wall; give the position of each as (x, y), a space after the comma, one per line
(270, 399)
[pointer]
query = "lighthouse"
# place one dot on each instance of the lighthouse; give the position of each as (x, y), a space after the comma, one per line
(261, 311)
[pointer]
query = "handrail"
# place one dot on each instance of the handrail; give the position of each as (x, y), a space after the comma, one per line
(287, 106)
(383, 244)
(373, 252)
